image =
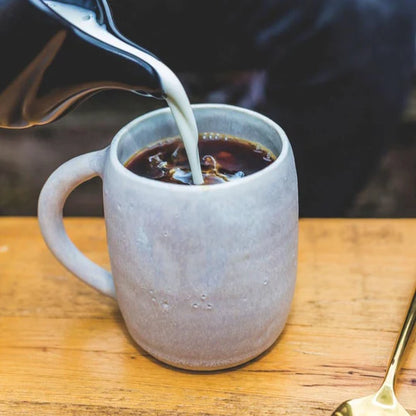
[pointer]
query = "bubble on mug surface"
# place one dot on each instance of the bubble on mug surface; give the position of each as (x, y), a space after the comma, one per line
(195, 306)
(203, 297)
(165, 305)
(142, 240)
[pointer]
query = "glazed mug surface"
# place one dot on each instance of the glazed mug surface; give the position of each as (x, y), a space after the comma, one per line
(204, 275)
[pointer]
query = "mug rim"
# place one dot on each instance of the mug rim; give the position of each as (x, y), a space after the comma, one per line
(121, 169)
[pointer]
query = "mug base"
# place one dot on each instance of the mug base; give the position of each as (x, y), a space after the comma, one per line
(211, 365)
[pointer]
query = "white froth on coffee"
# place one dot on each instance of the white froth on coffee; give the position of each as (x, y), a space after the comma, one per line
(176, 97)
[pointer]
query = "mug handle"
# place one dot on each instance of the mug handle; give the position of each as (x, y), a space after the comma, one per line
(50, 206)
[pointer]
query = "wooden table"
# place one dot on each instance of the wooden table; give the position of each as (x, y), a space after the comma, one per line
(64, 349)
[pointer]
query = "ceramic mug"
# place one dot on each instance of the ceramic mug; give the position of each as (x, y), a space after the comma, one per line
(204, 275)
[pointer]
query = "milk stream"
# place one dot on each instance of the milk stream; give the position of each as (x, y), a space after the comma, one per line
(177, 99)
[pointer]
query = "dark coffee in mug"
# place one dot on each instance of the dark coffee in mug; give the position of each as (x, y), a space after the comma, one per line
(224, 158)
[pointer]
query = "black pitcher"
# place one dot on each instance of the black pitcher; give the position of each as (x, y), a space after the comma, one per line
(49, 64)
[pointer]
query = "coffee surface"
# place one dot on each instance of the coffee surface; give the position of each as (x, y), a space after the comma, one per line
(223, 159)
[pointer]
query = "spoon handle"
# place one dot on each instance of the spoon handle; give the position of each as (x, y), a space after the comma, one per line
(402, 341)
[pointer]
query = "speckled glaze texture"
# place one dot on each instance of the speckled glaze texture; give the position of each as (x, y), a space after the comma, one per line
(204, 275)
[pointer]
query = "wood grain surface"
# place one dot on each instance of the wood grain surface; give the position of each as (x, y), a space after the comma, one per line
(64, 349)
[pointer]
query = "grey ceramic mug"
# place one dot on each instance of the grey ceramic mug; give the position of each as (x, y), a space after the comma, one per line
(204, 275)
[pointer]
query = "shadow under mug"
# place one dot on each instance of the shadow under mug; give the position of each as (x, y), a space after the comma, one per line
(204, 275)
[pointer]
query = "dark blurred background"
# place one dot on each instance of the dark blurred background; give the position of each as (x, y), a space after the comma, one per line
(28, 157)
(336, 75)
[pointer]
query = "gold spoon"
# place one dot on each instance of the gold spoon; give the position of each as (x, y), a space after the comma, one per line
(384, 402)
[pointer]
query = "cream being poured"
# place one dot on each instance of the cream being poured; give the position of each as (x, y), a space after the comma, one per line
(176, 97)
